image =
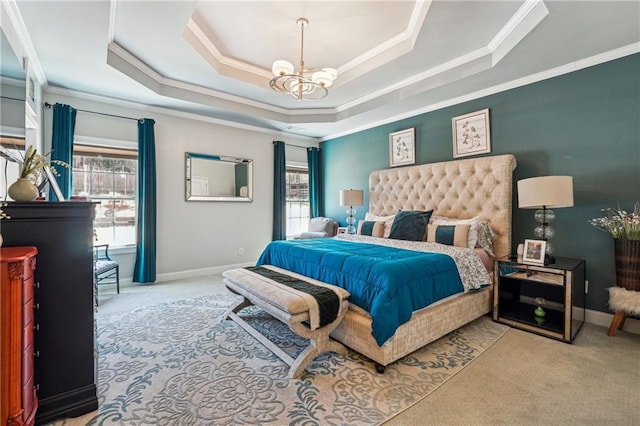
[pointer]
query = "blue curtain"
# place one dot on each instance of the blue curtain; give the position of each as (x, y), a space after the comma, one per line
(279, 192)
(144, 270)
(313, 162)
(64, 123)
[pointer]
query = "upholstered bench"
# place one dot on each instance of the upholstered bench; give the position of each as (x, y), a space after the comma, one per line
(299, 310)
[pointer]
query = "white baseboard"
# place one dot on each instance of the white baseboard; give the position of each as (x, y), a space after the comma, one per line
(631, 325)
(188, 274)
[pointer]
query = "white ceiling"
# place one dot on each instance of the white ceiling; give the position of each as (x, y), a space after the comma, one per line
(394, 58)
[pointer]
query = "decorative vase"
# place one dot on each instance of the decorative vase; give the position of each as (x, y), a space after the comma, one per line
(23, 190)
(627, 256)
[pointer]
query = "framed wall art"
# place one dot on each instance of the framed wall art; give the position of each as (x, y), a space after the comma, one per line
(402, 148)
(534, 251)
(471, 134)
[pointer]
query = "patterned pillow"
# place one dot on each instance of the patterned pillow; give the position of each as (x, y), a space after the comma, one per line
(410, 225)
(451, 235)
(486, 235)
(371, 228)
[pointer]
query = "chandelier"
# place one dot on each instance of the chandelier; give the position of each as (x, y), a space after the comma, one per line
(306, 84)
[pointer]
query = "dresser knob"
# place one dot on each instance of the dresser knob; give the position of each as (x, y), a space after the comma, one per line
(36, 327)
(36, 354)
(37, 306)
(36, 284)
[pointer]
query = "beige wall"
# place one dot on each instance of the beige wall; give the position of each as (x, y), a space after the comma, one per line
(193, 238)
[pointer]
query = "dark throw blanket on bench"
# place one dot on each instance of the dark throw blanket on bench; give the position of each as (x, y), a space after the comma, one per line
(328, 300)
(387, 282)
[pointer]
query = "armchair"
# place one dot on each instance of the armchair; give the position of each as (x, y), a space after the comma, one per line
(321, 227)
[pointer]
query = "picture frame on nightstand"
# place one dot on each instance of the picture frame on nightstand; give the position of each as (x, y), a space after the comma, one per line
(534, 251)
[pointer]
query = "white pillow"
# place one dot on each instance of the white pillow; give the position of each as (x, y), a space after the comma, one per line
(388, 222)
(473, 230)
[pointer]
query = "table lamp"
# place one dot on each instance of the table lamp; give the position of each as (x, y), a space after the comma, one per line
(541, 193)
(351, 197)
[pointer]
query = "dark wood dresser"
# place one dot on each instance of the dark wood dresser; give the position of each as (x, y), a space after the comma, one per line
(64, 363)
(17, 391)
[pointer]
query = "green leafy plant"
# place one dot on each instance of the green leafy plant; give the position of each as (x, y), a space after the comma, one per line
(619, 223)
(32, 165)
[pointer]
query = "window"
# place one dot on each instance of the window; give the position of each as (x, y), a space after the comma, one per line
(297, 201)
(108, 175)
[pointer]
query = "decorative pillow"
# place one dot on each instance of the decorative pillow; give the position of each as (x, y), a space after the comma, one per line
(371, 228)
(486, 235)
(410, 225)
(451, 235)
(388, 221)
(473, 230)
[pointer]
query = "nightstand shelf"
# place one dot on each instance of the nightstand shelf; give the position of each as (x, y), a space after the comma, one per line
(561, 285)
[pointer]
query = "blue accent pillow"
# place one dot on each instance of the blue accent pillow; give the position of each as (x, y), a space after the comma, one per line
(410, 225)
(371, 228)
(452, 235)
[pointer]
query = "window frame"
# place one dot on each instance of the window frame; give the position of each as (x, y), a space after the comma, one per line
(90, 146)
(303, 224)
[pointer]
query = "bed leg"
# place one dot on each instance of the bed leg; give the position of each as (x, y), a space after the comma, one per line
(380, 368)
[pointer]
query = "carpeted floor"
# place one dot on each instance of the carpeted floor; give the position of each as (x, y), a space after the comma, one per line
(522, 379)
(178, 363)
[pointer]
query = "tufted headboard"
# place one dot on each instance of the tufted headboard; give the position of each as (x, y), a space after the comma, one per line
(458, 189)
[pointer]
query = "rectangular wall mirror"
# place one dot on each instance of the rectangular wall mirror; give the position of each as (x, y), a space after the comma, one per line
(218, 178)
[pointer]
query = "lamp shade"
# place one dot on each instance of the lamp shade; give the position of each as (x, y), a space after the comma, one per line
(545, 191)
(351, 197)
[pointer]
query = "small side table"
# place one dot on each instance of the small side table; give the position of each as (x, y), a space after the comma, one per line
(561, 285)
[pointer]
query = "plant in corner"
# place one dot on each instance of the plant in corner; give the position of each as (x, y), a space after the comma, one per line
(32, 170)
(625, 228)
(619, 223)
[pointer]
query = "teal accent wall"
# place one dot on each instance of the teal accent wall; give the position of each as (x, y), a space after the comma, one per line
(584, 124)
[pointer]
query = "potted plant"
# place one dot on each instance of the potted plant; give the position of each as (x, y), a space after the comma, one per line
(32, 170)
(624, 299)
(624, 227)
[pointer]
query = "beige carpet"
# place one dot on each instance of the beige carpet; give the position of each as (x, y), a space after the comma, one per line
(525, 379)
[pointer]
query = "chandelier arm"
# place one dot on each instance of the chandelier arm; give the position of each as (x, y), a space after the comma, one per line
(301, 70)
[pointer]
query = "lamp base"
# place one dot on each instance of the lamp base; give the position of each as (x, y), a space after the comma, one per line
(549, 259)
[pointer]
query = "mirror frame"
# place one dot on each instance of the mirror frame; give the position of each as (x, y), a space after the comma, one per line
(189, 156)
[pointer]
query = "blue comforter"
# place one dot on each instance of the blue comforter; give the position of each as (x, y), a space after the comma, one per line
(387, 282)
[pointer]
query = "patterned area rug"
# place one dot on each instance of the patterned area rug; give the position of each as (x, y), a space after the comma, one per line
(178, 363)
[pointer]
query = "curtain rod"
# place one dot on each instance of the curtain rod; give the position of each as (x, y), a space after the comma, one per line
(297, 146)
(48, 105)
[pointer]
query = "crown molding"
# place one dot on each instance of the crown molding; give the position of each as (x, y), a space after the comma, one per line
(612, 55)
(53, 90)
(16, 32)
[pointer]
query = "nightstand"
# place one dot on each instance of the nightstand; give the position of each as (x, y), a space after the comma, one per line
(561, 285)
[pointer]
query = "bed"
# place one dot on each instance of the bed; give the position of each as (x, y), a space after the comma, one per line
(458, 189)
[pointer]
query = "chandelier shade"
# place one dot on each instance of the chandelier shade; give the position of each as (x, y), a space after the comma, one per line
(306, 84)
